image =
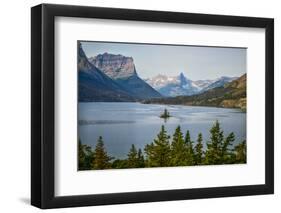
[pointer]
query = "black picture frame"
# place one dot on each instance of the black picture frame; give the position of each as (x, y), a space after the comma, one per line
(43, 105)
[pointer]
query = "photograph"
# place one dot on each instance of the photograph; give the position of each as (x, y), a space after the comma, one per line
(133, 105)
(160, 105)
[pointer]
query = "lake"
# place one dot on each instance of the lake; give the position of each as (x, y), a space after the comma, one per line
(123, 124)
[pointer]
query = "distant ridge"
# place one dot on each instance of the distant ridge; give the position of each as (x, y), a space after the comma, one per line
(231, 95)
(172, 86)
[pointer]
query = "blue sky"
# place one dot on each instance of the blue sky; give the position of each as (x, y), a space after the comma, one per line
(196, 62)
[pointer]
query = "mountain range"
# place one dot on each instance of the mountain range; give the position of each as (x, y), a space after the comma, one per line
(182, 86)
(109, 77)
(230, 95)
(114, 78)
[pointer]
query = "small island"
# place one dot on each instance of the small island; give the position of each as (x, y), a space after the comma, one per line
(165, 114)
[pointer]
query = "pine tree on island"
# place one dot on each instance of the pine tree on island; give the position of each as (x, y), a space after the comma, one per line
(165, 114)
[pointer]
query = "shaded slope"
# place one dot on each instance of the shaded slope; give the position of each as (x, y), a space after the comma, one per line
(94, 85)
(122, 70)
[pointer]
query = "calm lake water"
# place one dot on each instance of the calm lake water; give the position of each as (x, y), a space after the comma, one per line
(123, 124)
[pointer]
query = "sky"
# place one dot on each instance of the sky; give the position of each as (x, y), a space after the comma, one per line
(196, 62)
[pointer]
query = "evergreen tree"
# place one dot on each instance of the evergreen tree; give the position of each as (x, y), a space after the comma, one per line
(178, 149)
(133, 160)
(158, 152)
(226, 153)
(102, 160)
(81, 155)
(213, 153)
(166, 114)
(241, 152)
(85, 156)
(119, 164)
(199, 150)
(141, 163)
(189, 150)
(151, 159)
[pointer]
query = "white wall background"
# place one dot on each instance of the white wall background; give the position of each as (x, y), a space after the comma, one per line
(15, 105)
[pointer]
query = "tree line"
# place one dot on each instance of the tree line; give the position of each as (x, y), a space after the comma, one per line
(165, 151)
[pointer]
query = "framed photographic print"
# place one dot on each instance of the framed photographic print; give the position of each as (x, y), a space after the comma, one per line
(139, 106)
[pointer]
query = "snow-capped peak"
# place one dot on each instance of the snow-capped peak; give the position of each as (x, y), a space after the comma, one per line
(180, 85)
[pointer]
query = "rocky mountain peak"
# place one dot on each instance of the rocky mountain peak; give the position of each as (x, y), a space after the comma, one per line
(181, 85)
(114, 66)
(83, 63)
(181, 75)
(182, 79)
(82, 59)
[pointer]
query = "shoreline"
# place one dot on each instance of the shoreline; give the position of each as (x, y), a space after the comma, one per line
(164, 104)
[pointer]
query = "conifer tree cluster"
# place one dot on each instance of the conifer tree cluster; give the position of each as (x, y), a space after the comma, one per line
(165, 114)
(165, 151)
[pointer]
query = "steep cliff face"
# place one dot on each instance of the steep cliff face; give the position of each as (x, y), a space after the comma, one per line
(122, 70)
(94, 85)
(114, 66)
